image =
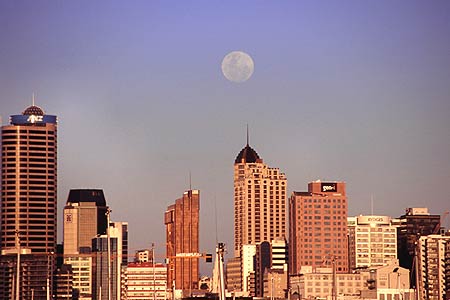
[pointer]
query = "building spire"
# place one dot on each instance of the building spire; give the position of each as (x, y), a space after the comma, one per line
(247, 136)
(32, 99)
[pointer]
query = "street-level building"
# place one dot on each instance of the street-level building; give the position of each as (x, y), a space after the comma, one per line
(145, 280)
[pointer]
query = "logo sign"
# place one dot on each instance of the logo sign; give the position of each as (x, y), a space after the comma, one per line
(34, 119)
(329, 187)
(68, 218)
(373, 220)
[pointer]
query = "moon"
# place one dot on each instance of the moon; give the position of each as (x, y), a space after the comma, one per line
(237, 66)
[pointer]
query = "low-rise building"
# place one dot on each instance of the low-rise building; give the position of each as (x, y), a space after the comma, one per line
(144, 281)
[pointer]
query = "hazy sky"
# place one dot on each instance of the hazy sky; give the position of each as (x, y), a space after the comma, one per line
(357, 91)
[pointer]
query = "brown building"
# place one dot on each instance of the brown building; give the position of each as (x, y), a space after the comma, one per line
(182, 241)
(318, 227)
(28, 200)
(259, 200)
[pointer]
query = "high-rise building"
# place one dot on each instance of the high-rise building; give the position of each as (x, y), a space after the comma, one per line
(29, 181)
(416, 222)
(28, 198)
(259, 200)
(372, 241)
(109, 260)
(182, 239)
(318, 226)
(248, 253)
(432, 266)
(84, 218)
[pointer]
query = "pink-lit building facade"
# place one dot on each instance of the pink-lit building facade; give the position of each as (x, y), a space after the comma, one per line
(318, 227)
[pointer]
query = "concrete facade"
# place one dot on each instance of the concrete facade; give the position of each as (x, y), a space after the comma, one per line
(372, 241)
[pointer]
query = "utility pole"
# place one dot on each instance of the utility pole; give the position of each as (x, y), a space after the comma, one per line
(108, 213)
(154, 278)
(18, 265)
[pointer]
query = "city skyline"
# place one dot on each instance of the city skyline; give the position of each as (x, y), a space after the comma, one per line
(354, 92)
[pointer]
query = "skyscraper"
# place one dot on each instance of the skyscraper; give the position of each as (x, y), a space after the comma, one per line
(28, 201)
(182, 236)
(84, 218)
(259, 200)
(318, 227)
(416, 222)
(108, 261)
(29, 181)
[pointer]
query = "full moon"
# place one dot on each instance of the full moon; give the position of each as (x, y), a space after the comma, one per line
(237, 66)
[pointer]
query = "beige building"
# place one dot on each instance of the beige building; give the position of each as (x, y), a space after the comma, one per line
(372, 241)
(432, 267)
(82, 274)
(389, 282)
(142, 281)
(259, 200)
(275, 284)
(84, 218)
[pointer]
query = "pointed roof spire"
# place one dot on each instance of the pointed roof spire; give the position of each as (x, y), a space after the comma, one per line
(32, 100)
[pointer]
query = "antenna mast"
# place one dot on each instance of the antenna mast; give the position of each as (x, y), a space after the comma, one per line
(247, 136)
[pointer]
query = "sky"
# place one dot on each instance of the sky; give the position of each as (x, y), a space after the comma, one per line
(354, 91)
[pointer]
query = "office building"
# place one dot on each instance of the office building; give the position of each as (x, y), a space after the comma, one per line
(259, 200)
(64, 283)
(372, 241)
(141, 281)
(182, 239)
(432, 266)
(247, 257)
(106, 276)
(81, 274)
(233, 275)
(416, 222)
(84, 218)
(318, 226)
(28, 198)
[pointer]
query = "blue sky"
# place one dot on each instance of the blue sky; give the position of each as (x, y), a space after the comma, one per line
(357, 91)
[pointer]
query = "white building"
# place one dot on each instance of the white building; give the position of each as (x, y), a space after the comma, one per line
(247, 254)
(372, 241)
(144, 281)
(82, 274)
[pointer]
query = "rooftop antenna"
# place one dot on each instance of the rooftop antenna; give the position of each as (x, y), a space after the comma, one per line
(247, 136)
(190, 181)
(371, 204)
(215, 213)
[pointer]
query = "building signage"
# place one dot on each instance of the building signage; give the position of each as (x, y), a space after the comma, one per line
(329, 187)
(32, 119)
(373, 220)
